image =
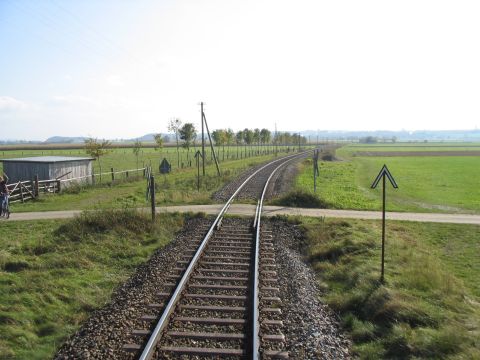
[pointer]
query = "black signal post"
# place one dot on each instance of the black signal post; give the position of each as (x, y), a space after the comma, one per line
(383, 174)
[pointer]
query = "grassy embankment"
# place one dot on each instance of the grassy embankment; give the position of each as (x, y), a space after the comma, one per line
(426, 184)
(54, 273)
(429, 306)
(178, 187)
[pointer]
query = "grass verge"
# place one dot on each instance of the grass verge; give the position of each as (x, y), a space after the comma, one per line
(54, 273)
(429, 304)
(178, 187)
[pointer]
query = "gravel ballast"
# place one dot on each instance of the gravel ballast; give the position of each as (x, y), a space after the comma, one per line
(103, 335)
(312, 330)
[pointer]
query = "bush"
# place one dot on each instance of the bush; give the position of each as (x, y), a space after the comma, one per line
(97, 222)
(299, 198)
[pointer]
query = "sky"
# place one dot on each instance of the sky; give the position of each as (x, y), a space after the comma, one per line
(121, 69)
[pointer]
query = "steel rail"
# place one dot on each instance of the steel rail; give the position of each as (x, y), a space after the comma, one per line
(256, 299)
(162, 323)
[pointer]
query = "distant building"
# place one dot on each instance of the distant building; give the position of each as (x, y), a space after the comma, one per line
(48, 168)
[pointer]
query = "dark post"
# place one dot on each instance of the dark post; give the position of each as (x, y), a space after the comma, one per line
(152, 195)
(384, 173)
(35, 182)
(211, 145)
(203, 142)
(383, 232)
(197, 156)
(113, 174)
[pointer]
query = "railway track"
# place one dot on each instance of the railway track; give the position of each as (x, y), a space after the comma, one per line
(221, 300)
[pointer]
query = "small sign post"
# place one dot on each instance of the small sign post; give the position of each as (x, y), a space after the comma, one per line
(198, 155)
(316, 172)
(152, 195)
(384, 173)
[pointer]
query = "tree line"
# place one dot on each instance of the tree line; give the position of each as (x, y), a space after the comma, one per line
(186, 136)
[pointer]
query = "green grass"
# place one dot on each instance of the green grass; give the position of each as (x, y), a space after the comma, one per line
(459, 146)
(54, 273)
(426, 184)
(178, 187)
(429, 306)
(124, 158)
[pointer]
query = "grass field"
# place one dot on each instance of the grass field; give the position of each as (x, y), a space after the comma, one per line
(124, 158)
(54, 273)
(426, 184)
(178, 187)
(429, 306)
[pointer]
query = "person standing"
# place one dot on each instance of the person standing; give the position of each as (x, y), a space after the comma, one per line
(3, 195)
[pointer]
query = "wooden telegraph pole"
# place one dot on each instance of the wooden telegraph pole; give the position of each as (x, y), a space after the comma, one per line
(203, 141)
(384, 173)
(204, 119)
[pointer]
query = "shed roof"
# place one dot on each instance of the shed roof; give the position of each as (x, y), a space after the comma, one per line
(47, 159)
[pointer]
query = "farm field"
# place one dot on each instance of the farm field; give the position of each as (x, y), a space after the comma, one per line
(426, 183)
(429, 304)
(53, 274)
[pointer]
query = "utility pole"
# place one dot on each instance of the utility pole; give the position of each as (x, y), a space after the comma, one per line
(276, 141)
(203, 141)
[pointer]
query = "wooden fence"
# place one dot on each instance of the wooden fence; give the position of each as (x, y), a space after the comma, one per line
(30, 189)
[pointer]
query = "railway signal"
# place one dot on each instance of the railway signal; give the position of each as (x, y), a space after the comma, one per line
(382, 175)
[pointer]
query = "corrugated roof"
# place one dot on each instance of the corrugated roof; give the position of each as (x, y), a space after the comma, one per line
(47, 159)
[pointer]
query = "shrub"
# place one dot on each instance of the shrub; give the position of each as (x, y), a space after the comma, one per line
(300, 198)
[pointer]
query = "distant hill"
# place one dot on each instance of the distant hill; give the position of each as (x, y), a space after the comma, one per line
(65, 140)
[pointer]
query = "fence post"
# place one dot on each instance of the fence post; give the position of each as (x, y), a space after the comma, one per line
(35, 186)
(113, 174)
(21, 192)
(58, 185)
(152, 195)
(126, 174)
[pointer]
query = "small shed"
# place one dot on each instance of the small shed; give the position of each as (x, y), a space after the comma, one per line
(48, 168)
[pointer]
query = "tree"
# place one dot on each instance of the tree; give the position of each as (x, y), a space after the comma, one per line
(239, 139)
(96, 149)
(248, 138)
(158, 141)
(137, 146)
(265, 136)
(218, 136)
(174, 126)
(229, 136)
(256, 137)
(187, 133)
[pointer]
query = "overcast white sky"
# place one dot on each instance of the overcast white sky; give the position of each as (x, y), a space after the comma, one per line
(120, 69)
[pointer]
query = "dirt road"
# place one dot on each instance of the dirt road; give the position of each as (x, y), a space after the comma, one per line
(242, 209)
